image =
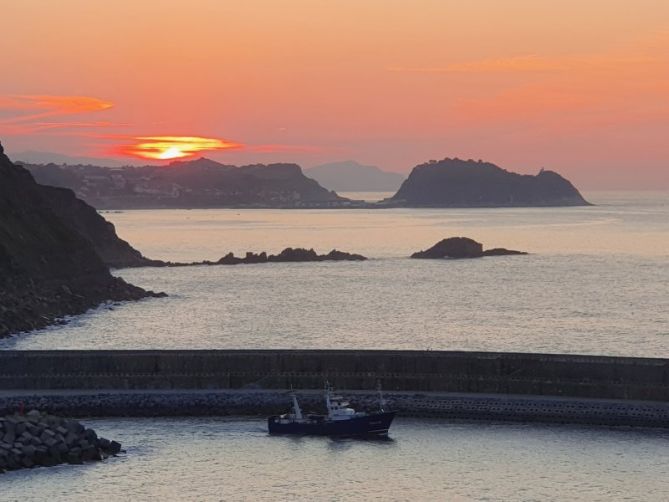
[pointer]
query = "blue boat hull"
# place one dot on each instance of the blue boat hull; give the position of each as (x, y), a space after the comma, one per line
(376, 424)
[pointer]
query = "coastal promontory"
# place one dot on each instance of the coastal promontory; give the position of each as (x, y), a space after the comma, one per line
(469, 183)
(199, 183)
(50, 254)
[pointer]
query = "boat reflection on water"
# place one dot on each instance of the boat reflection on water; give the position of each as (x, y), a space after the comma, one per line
(341, 420)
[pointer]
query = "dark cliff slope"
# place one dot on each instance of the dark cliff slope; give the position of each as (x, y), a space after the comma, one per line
(188, 184)
(85, 220)
(47, 268)
(460, 183)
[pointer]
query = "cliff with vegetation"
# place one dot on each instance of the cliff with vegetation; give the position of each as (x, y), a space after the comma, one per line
(50, 254)
(200, 183)
(460, 183)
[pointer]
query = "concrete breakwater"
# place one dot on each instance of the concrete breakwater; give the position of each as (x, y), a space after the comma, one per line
(467, 385)
(40, 439)
(599, 377)
(264, 403)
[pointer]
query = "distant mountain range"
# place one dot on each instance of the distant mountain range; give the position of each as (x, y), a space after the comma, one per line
(205, 183)
(469, 183)
(350, 176)
(201, 183)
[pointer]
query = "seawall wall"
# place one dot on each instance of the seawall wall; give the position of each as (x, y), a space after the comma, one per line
(599, 377)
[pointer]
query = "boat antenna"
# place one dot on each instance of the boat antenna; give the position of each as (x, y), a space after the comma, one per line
(382, 401)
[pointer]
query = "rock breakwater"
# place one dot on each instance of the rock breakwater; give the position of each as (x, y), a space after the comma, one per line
(39, 439)
(460, 406)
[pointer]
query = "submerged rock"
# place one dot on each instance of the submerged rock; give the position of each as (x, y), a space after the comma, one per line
(461, 247)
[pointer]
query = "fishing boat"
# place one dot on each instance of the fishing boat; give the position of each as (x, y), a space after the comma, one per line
(340, 420)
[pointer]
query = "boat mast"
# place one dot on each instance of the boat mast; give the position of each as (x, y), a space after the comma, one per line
(328, 405)
(296, 407)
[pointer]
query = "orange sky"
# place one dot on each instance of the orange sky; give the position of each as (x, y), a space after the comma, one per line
(581, 87)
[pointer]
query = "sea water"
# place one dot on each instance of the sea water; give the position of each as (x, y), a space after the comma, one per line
(596, 281)
(235, 459)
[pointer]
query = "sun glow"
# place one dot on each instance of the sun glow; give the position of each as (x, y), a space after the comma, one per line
(172, 152)
(174, 147)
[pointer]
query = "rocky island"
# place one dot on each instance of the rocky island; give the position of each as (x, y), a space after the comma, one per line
(468, 183)
(461, 247)
(55, 252)
(200, 183)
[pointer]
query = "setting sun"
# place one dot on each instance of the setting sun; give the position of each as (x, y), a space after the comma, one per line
(172, 152)
(174, 147)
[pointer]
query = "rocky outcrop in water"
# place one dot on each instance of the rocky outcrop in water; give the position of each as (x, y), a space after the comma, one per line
(38, 439)
(290, 255)
(287, 255)
(502, 252)
(460, 183)
(461, 247)
(49, 267)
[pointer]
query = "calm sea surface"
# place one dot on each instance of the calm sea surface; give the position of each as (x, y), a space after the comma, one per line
(235, 459)
(596, 281)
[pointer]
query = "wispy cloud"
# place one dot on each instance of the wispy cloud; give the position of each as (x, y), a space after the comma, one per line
(28, 114)
(531, 63)
(172, 147)
(572, 93)
(176, 147)
(43, 106)
(276, 148)
(512, 64)
(57, 115)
